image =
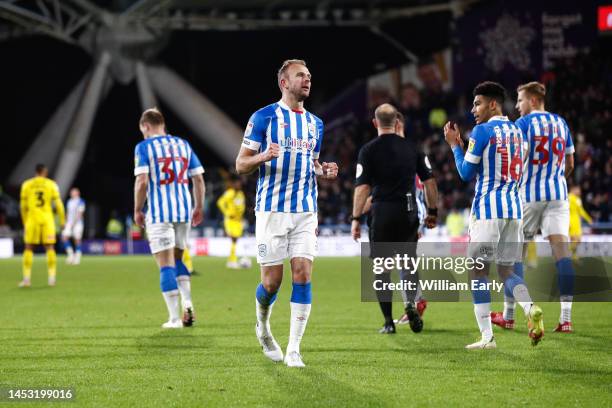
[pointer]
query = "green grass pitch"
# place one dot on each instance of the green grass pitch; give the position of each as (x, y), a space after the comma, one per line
(98, 331)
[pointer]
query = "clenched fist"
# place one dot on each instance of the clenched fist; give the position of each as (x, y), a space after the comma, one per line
(330, 170)
(272, 152)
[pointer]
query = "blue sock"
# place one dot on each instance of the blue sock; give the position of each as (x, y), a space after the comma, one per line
(77, 247)
(167, 278)
(512, 281)
(518, 271)
(481, 295)
(181, 269)
(67, 245)
(302, 293)
(565, 276)
(264, 297)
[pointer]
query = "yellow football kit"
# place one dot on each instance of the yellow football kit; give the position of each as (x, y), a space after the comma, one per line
(577, 212)
(232, 205)
(37, 195)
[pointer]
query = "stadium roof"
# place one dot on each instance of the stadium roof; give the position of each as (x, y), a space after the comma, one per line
(66, 19)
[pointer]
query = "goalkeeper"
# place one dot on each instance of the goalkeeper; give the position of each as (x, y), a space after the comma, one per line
(232, 206)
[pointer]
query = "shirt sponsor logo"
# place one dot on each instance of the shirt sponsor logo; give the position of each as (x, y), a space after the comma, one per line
(294, 143)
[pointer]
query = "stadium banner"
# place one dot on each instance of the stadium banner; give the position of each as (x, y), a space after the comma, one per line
(449, 272)
(327, 246)
(342, 245)
(541, 33)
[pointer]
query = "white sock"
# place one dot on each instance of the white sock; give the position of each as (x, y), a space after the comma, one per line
(482, 311)
(509, 309)
(299, 319)
(521, 294)
(69, 251)
(172, 303)
(566, 309)
(184, 285)
(263, 314)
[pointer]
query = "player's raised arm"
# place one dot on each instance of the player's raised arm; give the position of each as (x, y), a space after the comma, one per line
(249, 160)
(467, 163)
(249, 157)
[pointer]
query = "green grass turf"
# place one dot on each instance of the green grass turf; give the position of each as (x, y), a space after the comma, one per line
(98, 331)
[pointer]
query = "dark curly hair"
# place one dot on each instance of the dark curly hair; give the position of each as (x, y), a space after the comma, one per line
(491, 90)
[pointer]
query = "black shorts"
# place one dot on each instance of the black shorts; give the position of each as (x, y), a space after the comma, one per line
(391, 222)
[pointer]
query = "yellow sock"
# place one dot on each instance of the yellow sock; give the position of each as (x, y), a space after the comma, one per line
(28, 258)
(532, 255)
(187, 260)
(574, 250)
(51, 262)
(232, 257)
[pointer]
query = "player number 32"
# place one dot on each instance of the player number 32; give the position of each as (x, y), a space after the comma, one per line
(169, 166)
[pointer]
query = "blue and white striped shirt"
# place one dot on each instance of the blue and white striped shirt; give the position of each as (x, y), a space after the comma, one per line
(74, 206)
(549, 142)
(287, 183)
(497, 147)
(169, 161)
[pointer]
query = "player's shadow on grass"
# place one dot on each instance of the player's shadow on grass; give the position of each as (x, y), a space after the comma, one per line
(312, 386)
(175, 340)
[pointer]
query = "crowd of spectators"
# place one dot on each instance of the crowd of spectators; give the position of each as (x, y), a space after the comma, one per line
(578, 89)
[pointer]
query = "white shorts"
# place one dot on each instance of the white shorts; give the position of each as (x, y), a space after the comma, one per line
(551, 217)
(73, 231)
(281, 235)
(498, 240)
(167, 235)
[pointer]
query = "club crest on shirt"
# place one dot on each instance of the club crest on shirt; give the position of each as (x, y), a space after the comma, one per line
(312, 130)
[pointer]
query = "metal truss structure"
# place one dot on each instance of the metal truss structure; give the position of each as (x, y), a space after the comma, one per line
(124, 43)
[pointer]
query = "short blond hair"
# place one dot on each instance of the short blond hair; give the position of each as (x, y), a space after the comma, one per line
(285, 66)
(534, 88)
(153, 117)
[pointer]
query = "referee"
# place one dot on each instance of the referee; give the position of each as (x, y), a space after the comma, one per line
(386, 169)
